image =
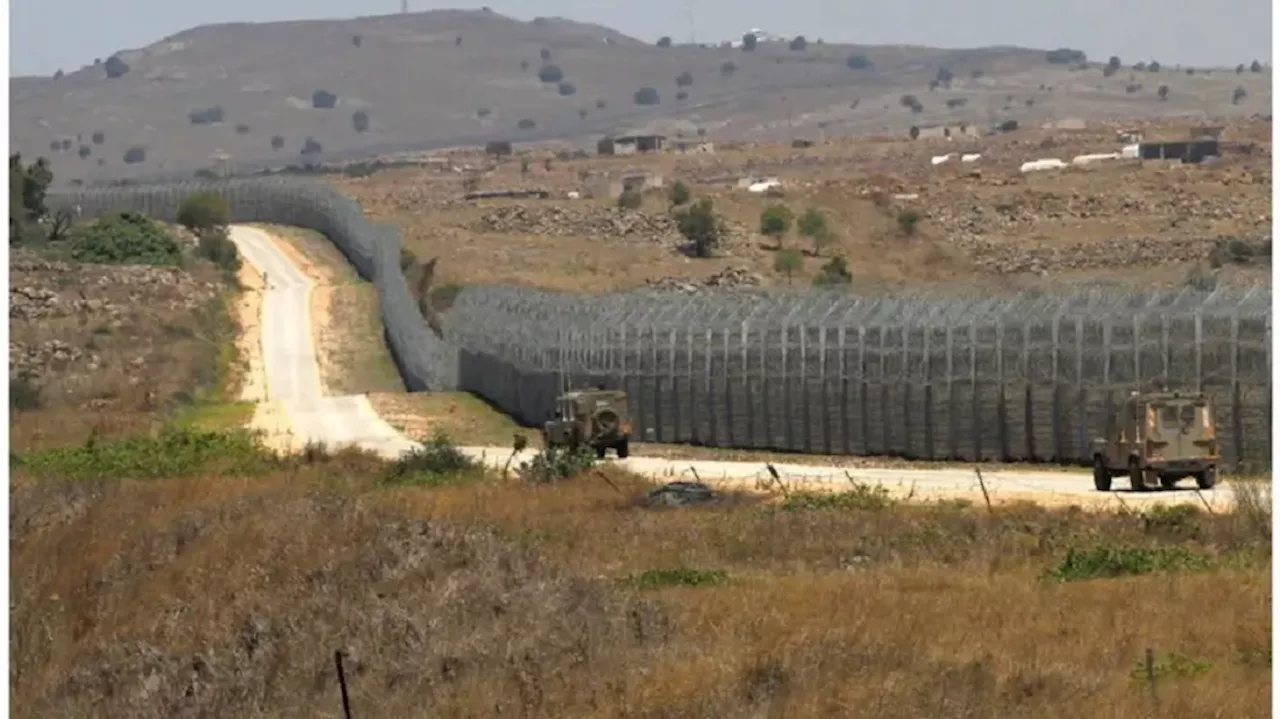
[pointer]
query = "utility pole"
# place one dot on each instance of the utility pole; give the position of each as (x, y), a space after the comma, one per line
(404, 7)
(693, 35)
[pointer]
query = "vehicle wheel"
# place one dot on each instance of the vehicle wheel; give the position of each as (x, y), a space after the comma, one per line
(1168, 481)
(1207, 479)
(624, 449)
(1137, 478)
(600, 452)
(1101, 475)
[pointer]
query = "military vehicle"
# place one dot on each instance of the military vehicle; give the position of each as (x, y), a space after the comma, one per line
(594, 417)
(1158, 439)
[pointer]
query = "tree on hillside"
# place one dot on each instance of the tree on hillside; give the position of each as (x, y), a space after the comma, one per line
(857, 62)
(813, 225)
(204, 211)
(1238, 95)
(748, 42)
(775, 221)
(277, 142)
(727, 68)
(788, 262)
(700, 225)
(664, 41)
(834, 272)
(799, 44)
(684, 79)
(1112, 66)
(116, 67)
(323, 100)
(1255, 66)
(360, 120)
(646, 96)
(1163, 92)
(1065, 56)
(550, 74)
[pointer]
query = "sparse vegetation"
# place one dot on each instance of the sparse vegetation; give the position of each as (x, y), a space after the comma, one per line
(1065, 56)
(957, 102)
(85, 151)
(857, 62)
(664, 41)
(526, 124)
(311, 146)
(360, 120)
(498, 149)
(646, 96)
(1112, 66)
(727, 68)
(682, 96)
(125, 238)
(550, 74)
(208, 116)
(912, 103)
(277, 142)
(813, 225)
(678, 194)
(1238, 95)
(748, 42)
(566, 89)
(834, 272)
(115, 67)
(684, 79)
(775, 222)
(323, 100)
(630, 200)
(908, 221)
(1163, 92)
(798, 44)
(788, 262)
(699, 225)
(135, 155)
(1255, 66)
(99, 137)
(544, 54)
(242, 129)
(204, 212)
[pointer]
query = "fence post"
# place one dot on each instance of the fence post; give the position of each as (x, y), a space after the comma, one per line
(1266, 343)
(1106, 378)
(887, 444)
(765, 395)
(787, 398)
(1137, 350)
(1082, 395)
(709, 411)
(728, 393)
(1237, 419)
(1199, 342)
(824, 398)
(657, 385)
(927, 370)
(695, 433)
(1028, 416)
(953, 424)
(904, 380)
(673, 389)
(622, 377)
(1165, 349)
(1059, 452)
(803, 331)
(973, 388)
(1002, 409)
(846, 435)
(863, 411)
(746, 384)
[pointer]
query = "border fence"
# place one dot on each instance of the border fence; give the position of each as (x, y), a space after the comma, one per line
(1032, 377)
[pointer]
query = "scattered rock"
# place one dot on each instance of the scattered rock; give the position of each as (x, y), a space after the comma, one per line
(680, 494)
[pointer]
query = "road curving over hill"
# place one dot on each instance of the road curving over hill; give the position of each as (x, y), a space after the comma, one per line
(297, 411)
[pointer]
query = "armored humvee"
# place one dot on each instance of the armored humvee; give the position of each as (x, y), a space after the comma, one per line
(1159, 438)
(595, 417)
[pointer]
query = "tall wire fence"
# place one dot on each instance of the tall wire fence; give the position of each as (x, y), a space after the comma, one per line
(1033, 377)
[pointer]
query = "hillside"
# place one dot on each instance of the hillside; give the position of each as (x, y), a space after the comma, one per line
(454, 77)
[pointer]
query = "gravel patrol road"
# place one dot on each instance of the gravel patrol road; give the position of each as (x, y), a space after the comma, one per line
(300, 411)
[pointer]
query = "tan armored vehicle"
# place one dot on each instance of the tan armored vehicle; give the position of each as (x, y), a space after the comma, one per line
(595, 417)
(1159, 438)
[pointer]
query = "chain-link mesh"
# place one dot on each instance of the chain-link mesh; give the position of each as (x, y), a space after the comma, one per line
(1035, 377)
(425, 361)
(1032, 378)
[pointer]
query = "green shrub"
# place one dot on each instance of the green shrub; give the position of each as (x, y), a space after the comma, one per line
(125, 238)
(550, 74)
(699, 225)
(24, 394)
(556, 463)
(861, 496)
(204, 211)
(907, 221)
(678, 194)
(646, 96)
(835, 272)
(172, 452)
(1107, 561)
(658, 578)
(435, 462)
(630, 200)
(214, 246)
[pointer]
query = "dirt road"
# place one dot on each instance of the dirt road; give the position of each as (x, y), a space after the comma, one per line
(297, 411)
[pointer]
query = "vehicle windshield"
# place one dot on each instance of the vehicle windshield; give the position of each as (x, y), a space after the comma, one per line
(1178, 417)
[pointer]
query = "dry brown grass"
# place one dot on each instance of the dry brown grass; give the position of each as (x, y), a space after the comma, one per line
(217, 597)
(146, 345)
(973, 227)
(345, 316)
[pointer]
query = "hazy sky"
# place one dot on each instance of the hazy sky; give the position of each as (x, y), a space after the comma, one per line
(51, 34)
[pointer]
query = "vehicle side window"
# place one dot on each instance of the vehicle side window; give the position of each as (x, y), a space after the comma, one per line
(1169, 417)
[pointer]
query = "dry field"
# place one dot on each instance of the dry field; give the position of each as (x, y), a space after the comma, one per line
(111, 350)
(1110, 223)
(217, 595)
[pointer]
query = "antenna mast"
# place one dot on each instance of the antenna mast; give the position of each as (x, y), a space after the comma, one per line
(404, 7)
(693, 38)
